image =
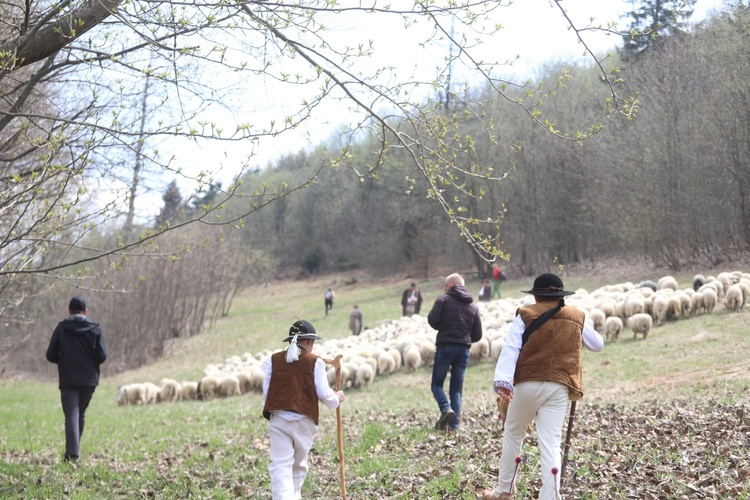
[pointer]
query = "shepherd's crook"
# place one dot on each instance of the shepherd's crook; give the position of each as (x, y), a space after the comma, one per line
(567, 441)
(336, 363)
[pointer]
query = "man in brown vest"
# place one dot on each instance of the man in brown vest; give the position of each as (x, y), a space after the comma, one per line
(295, 380)
(537, 373)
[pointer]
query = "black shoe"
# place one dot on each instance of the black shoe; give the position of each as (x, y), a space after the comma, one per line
(446, 417)
(73, 459)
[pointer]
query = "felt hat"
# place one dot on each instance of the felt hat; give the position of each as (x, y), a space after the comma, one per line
(77, 304)
(548, 285)
(304, 330)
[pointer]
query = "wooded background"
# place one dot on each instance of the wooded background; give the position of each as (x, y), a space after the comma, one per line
(670, 187)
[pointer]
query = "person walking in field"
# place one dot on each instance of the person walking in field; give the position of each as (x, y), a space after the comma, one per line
(77, 347)
(355, 320)
(411, 300)
(294, 381)
(498, 276)
(455, 316)
(485, 293)
(329, 296)
(538, 371)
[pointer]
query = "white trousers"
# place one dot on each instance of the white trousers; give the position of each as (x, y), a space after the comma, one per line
(547, 402)
(290, 443)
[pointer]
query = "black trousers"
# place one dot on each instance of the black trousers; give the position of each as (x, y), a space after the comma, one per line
(75, 400)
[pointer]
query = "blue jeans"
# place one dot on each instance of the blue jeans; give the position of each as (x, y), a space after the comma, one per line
(455, 359)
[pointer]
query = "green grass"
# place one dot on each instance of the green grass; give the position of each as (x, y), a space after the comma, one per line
(220, 449)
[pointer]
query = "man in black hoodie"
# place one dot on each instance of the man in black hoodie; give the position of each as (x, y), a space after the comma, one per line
(456, 318)
(78, 348)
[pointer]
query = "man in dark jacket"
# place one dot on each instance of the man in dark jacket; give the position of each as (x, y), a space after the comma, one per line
(456, 318)
(78, 348)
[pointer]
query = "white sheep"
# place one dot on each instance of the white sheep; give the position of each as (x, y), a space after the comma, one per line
(397, 358)
(667, 282)
(709, 299)
(229, 386)
(386, 363)
(427, 352)
(496, 347)
(634, 305)
(244, 377)
(479, 350)
(188, 391)
(640, 323)
(412, 358)
(151, 393)
(207, 388)
(365, 374)
(674, 310)
(733, 298)
(170, 391)
(130, 394)
(612, 327)
(659, 309)
(696, 303)
(597, 317)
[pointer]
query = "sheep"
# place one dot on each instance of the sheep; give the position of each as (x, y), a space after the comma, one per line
(365, 374)
(659, 309)
(244, 378)
(229, 386)
(170, 391)
(640, 323)
(634, 305)
(709, 299)
(608, 308)
(188, 391)
(745, 286)
(698, 281)
(207, 388)
(396, 357)
(386, 363)
(696, 303)
(612, 327)
(674, 311)
(480, 349)
(647, 284)
(733, 298)
(151, 393)
(667, 282)
(495, 347)
(597, 317)
(427, 352)
(412, 358)
(130, 394)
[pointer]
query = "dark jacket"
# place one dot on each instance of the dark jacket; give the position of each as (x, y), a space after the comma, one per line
(456, 318)
(78, 348)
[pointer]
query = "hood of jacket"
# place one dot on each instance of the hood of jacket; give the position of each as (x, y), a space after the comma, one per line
(461, 293)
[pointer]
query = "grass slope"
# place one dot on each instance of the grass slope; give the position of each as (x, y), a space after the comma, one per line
(662, 418)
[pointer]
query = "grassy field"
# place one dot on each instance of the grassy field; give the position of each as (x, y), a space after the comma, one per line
(658, 416)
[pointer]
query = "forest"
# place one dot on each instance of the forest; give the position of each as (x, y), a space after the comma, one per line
(557, 179)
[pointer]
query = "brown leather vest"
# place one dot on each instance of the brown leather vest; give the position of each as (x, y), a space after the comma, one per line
(292, 386)
(553, 352)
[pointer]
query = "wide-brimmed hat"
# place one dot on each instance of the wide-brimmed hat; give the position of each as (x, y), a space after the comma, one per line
(548, 285)
(304, 330)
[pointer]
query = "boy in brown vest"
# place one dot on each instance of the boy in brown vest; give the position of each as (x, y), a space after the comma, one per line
(537, 375)
(295, 380)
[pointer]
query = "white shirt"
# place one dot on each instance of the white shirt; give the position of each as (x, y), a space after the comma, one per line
(505, 369)
(324, 392)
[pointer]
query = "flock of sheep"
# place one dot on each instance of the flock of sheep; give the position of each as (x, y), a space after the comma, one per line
(408, 343)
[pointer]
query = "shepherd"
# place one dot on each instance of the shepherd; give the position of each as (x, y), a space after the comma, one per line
(538, 371)
(294, 381)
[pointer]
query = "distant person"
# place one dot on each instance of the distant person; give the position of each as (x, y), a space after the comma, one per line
(485, 293)
(78, 348)
(294, 381)
(411, 300)
(355, 320)
(455, 316)
(329, 296)
(498, 276)
(538, 370)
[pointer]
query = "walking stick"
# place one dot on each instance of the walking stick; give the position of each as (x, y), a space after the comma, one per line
(567, 441)
(336, 363)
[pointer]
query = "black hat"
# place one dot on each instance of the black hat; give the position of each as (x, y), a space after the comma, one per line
(548, 285)
(304, 330)
(77, 304)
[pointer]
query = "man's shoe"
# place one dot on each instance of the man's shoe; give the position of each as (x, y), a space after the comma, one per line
(489, 494)
(73, 459)
(446, 417)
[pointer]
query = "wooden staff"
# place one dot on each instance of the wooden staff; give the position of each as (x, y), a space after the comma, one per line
(336, 363)
(567, 441)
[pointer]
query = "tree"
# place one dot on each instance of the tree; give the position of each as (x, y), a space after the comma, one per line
(71, 78)
(652, 22)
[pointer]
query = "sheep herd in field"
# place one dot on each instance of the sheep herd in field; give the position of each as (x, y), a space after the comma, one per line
(408, 343)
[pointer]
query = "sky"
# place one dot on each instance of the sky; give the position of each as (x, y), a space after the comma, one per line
(534, 30)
